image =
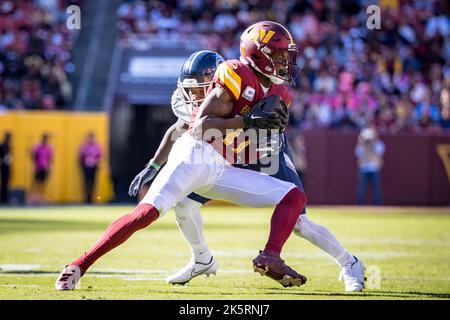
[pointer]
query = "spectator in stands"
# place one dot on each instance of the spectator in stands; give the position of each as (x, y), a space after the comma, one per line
(444, 100)
(426, 113)
(5, 167)
(369, 151)
(90, 155)
(445, 118)
(42, 156)
(35, 53)
(350, 76)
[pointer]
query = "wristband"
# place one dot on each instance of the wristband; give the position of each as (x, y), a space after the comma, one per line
(154, 165)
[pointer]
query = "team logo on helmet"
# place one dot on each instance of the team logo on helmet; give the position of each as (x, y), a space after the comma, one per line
(269, 48)
(262, 36)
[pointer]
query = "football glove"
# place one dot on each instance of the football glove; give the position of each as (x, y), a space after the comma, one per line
(259, 119)
(146, 175)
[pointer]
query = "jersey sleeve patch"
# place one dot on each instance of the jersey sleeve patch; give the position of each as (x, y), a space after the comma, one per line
(229, 79)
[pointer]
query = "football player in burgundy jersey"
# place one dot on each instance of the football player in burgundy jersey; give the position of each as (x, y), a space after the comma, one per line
(246, 84)
(196, 164)
(187, 211)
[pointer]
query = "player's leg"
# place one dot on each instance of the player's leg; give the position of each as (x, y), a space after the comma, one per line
(158, 200)
(324, 239)
(116, 233)
(175, 181)
(255, 189)
(351, 269)
(190, 223)
(314, 233)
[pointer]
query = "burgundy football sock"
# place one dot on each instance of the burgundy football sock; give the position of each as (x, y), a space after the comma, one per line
(117, 232)
(284, 219)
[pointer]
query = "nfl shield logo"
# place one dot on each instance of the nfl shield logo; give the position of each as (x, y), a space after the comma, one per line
(249, 93)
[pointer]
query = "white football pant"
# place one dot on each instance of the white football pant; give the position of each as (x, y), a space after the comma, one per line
(195, 166)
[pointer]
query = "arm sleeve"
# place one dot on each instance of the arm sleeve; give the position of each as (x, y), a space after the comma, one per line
(179, 108)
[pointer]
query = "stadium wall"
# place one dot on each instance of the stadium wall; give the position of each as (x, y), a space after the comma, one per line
(416, 168)
(67, 132)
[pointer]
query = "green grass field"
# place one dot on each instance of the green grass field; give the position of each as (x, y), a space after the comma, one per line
(410, 246)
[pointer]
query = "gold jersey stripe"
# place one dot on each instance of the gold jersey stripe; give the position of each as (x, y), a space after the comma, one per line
(230, 78)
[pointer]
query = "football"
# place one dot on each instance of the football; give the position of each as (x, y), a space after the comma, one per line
(270, 103)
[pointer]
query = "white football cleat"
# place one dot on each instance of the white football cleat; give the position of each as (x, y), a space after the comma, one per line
(353, 276)
(192, 270)
(68, 278)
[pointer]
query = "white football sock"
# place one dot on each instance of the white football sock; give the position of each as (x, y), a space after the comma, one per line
(324, 239)
(190, 223)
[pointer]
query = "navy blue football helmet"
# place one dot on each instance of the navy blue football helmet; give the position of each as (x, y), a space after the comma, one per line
(196, 76)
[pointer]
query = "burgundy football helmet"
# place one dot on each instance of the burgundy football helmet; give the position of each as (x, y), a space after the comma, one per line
(270, 49)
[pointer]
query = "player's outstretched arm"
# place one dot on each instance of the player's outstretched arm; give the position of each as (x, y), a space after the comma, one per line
(160, 157)
(171, 135)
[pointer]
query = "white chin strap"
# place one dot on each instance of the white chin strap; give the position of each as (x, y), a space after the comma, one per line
(276, 80)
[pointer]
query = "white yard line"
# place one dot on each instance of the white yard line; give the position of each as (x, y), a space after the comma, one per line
(19, 267)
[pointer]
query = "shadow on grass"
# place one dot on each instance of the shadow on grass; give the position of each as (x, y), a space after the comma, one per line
(282, 292)
(365, 293)
(305, 294)
(381, 294)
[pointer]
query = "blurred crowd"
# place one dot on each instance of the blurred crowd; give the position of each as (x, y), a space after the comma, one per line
(396, 78)
(35, 54)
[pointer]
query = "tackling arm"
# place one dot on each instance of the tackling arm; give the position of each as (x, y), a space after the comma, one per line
(171, 135)
(161, 155)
